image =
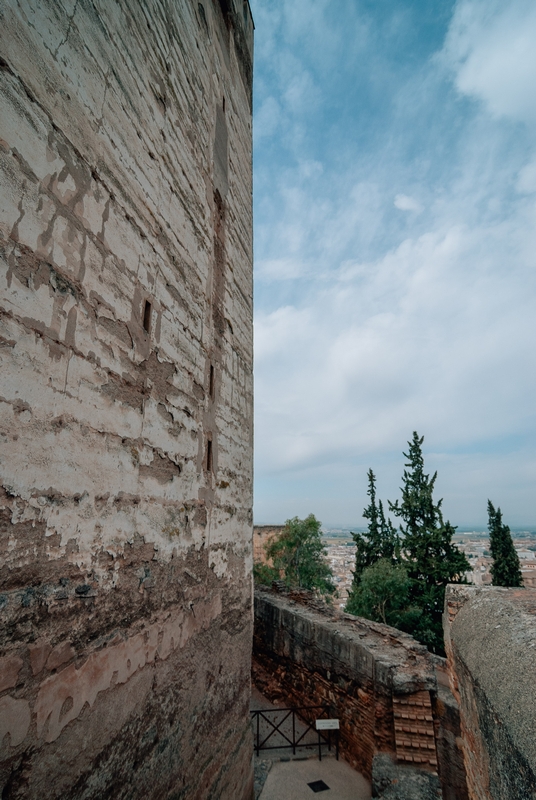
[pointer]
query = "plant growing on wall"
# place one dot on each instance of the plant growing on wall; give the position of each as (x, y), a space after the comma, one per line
(505, 570)
(264, 573)
(299, 556)
(382, 593)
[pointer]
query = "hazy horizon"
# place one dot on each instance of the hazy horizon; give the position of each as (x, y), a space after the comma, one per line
(359, 527)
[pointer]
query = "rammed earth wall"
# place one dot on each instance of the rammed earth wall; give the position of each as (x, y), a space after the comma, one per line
(125, 399)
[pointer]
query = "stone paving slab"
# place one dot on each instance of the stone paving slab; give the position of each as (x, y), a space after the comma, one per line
(288, 780)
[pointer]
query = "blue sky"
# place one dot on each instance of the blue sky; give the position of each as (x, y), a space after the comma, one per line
(395, 253)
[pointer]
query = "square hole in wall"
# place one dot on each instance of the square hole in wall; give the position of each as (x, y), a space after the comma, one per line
(318, 786)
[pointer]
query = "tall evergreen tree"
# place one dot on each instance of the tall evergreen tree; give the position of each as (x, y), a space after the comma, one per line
(505, 570)
(431, 558)
(379, 542)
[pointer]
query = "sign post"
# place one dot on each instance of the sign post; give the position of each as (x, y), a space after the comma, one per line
(327, 725)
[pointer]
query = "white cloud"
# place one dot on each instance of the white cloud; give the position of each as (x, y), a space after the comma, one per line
(267, 119)
(372, 323)
(491, 45)
(434, 335)
(406, 203)
(526, 180)
(279, 269)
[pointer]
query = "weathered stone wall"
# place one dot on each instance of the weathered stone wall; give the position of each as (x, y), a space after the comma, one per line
(490, 635)
(380, 682)
(125, 399)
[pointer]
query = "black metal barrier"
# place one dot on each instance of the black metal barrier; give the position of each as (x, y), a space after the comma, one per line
(297, 739)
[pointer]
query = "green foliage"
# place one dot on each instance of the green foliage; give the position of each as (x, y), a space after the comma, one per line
(299, 555)
(264, 574)
(382, 594)
(428, 552)
(424, 547)
(379, 542)
(505, 570)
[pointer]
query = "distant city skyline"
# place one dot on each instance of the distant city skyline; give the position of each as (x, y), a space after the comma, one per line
(395, 254)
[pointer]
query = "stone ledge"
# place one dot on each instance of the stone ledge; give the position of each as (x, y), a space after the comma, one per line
(342, 642)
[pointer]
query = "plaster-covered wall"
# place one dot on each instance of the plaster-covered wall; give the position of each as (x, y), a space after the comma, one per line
(125, 398)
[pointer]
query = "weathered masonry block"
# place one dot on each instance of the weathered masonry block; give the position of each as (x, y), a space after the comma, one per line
(387, 690)
(490, 634)
(125, 399)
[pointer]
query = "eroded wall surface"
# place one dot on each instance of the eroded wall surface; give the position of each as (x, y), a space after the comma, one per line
(490, 637)
(125, 399)
(262, 536)
(381, 683)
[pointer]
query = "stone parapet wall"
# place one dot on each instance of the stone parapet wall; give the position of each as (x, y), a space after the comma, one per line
(380, 682)
(126, 399)
(490, 635)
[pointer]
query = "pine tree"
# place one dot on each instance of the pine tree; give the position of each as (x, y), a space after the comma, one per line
(427, 551)
(379, 542)
(505, 570)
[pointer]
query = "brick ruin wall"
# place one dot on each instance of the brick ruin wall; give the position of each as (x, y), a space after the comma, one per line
(490, 636)
(125, 399)
(262, 536)
(387, 690)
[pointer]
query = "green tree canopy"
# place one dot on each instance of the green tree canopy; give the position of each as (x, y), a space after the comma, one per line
(423, 547)
(379, 542)
(382, 594)
(299, 555)
(505, 570)
(427, 550)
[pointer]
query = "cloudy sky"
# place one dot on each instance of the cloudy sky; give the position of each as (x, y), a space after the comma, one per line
(395, 253)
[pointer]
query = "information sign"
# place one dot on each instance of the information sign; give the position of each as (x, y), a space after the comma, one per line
(327, 724)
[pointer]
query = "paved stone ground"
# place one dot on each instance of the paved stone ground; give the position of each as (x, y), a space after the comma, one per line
(289, 780)
(280, 775)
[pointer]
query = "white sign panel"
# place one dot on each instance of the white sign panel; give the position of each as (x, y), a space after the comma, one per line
(327, 724)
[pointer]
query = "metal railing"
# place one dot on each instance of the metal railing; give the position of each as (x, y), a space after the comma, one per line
(297, 737)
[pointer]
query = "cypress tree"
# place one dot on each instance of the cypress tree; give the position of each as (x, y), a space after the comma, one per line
(379, 542)
(505, 570)
(428, 553)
